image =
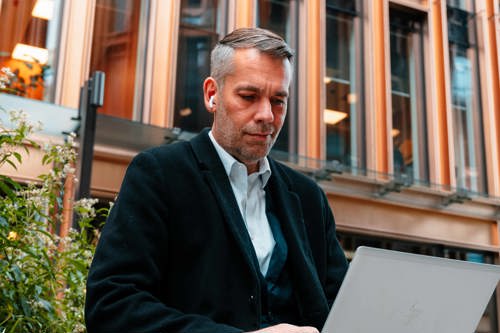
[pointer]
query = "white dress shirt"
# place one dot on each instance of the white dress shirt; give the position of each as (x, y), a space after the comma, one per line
(251, 198)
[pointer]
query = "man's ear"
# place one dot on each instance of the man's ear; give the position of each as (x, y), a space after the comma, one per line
(210, 94)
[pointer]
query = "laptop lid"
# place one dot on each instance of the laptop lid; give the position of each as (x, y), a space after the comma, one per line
(396, 292)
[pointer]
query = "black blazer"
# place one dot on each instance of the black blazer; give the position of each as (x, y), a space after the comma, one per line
(175, 256)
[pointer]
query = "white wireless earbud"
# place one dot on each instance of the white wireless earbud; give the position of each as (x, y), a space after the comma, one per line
(211, 102)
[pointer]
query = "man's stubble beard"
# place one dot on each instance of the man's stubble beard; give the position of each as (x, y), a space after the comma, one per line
(236, 146)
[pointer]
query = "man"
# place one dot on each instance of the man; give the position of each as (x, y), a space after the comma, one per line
(211, 235)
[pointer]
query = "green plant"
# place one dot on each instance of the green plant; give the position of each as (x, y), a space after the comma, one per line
(42, 275)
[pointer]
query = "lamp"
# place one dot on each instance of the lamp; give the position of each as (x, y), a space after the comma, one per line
(327, 79)
(43, 9)
(30, 53)
(332, 117)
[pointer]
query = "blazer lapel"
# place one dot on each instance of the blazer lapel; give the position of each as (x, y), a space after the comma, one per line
(218, 181)
(309, 292)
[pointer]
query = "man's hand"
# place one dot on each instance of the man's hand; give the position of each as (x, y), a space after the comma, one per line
(287, 328)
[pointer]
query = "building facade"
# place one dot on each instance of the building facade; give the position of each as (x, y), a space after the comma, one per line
(394, 110)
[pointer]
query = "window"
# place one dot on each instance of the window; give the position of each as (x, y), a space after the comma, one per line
(408, 96)
(198, 34)
(281, 17)
(466, 104)
(117, 50)
(344, 115)
(29, 42)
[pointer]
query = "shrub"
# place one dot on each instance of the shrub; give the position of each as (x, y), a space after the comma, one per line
(42, 275)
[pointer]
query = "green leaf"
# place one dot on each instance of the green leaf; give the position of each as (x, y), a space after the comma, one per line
(45, 159)
(11, 163)
(26, 307)
(46, 305)
(18, 275)
(13, 328)
(7, 190)
(18, 157)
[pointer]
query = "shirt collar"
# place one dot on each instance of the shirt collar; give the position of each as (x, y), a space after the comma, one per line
(228, 161)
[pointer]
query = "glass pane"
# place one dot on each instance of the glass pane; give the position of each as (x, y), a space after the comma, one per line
(469, 154)
(279, 16)
(460, 4)
(197, 37)
(115, 51)
(274, 15)
(470, 167)
(408, 98)
(201, 13)
(343, 115)
(29, 42)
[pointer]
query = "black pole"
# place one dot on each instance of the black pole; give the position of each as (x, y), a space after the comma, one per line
(91, 98)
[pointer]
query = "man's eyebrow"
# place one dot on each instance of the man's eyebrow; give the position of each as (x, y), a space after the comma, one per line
(281, 94)
(248, 88)
(257, 90)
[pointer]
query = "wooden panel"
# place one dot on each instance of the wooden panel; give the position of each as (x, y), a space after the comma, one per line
(163, 37)
(314, 77)
(441, 113)
(381, 77)
(373, 217)
(244, 13)
(30, 168)
(107, 176)
(15, 17)
(114, 52)
(491, 104)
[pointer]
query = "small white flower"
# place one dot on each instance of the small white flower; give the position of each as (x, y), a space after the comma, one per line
(86, 207)
(79, 328)
(7, 71)
(68, 169)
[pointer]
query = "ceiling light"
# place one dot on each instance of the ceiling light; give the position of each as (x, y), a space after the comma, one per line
(332, 117)
(185, 112)
(352, 98)
(43, 9)
(30, 53)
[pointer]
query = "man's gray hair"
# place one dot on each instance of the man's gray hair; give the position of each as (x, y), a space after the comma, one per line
(221, 62)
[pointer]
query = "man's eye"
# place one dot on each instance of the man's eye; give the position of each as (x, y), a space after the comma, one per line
(248, 98)
(278, 102)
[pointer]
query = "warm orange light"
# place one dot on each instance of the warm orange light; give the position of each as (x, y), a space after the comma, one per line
(395, 132)
(43, 9)
(30, 53)
(332, 117)
(352, 98)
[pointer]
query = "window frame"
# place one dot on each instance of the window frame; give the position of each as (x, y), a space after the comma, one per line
(357, 163)
(419, 105)
(462, 182)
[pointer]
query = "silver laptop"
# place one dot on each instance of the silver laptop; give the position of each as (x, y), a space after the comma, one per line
(394, 292)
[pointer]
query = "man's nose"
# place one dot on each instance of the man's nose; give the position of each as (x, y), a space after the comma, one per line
(265, 112)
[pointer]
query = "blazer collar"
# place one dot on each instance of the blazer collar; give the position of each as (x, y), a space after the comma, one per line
(288, 210)
(308, 289)
(215, 176)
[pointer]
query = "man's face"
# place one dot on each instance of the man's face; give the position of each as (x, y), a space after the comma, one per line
(251, 106)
